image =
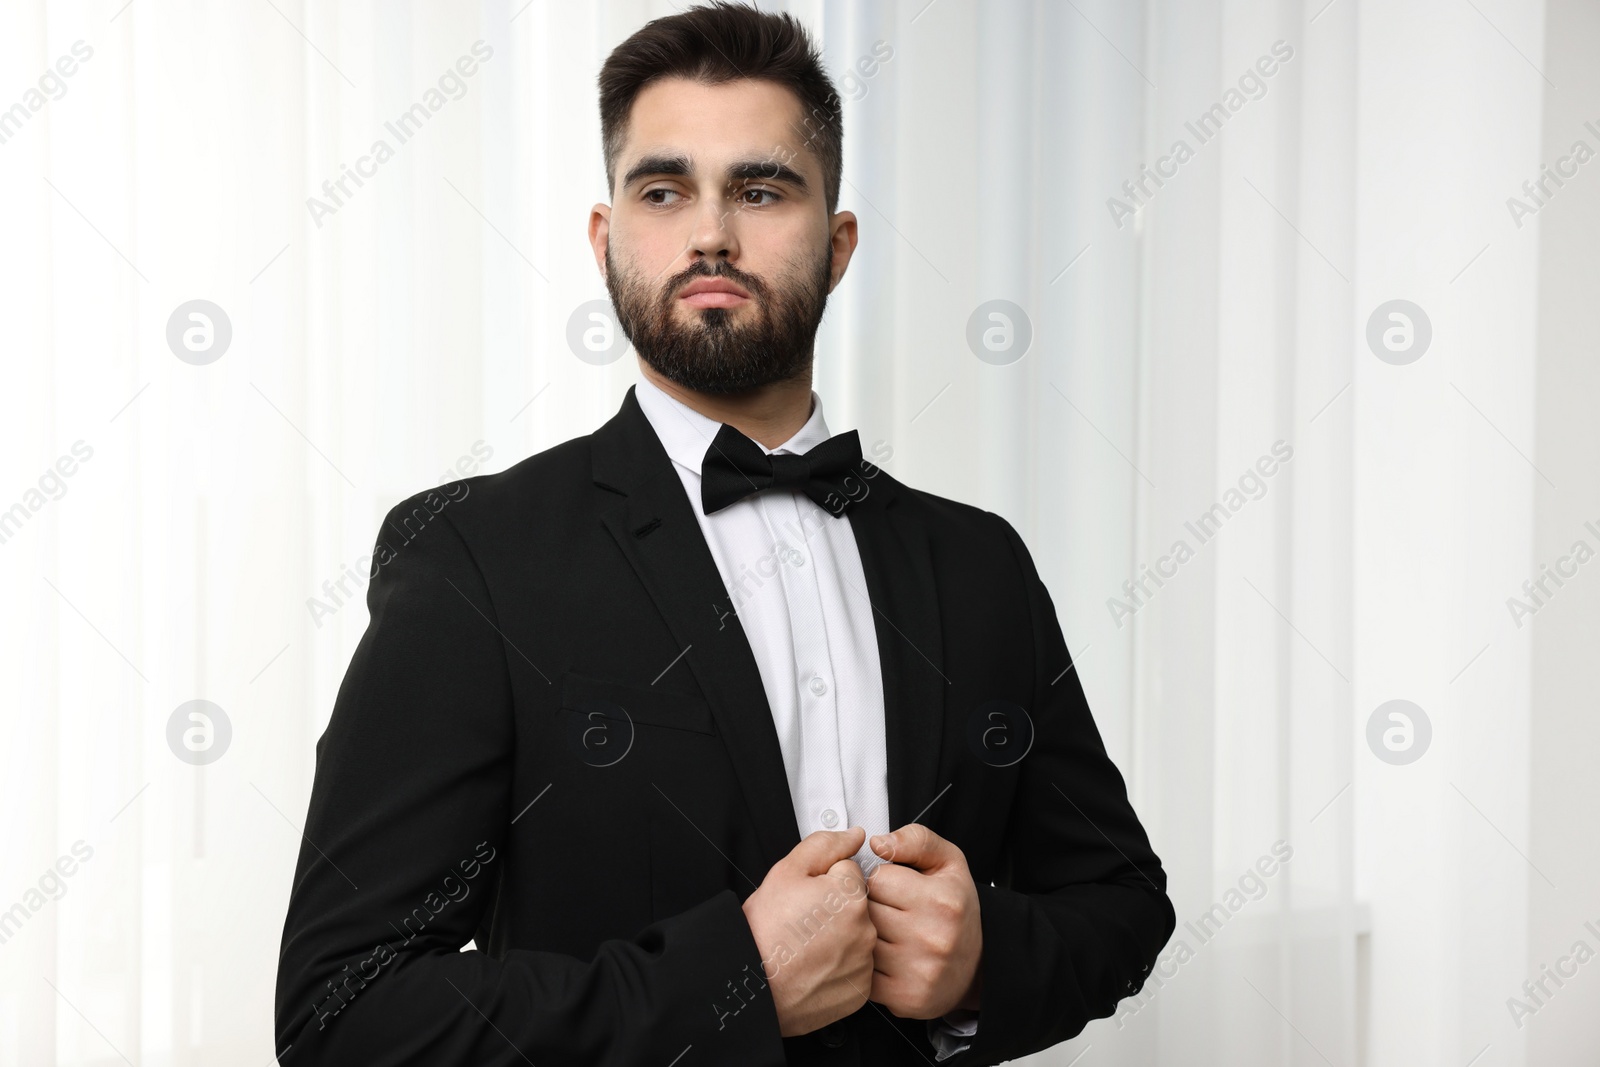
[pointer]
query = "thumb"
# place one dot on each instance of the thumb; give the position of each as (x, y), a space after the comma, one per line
(822, 849)
(913, 845)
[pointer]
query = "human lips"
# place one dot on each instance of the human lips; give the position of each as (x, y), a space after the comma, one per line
(713, 293)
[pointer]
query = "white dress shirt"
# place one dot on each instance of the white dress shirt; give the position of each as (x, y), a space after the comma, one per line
(793, 574)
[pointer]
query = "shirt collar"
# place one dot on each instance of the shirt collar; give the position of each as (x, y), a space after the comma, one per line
(686, 434)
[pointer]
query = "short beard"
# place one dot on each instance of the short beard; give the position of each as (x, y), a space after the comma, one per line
(713, 356)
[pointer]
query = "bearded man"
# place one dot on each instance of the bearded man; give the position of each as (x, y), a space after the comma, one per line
(719, 744)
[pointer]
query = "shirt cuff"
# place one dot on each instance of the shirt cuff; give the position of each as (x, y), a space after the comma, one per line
(945, 1034)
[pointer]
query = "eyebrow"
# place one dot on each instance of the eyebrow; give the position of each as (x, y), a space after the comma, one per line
(765, 170)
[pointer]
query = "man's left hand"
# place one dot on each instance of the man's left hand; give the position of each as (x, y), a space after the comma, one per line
(930, 938)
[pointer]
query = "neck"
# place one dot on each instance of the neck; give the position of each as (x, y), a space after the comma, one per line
(770, 414)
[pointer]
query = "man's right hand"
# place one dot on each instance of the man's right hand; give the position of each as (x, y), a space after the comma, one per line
(809, 918)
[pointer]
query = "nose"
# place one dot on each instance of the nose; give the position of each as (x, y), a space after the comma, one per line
(711, 237)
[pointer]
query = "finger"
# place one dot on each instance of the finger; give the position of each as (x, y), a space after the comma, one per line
(897, 887)
(891, 923)
(889, 962)
(914, 845)
(823, 848)
(881, 988)
(884, 990)
(875, 987)
(848, 873)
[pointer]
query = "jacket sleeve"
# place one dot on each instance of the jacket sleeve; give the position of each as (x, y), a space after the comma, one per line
(1079, 908)
(402, 852)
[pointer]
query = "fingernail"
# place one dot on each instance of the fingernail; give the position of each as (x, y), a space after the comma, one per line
(879, 840)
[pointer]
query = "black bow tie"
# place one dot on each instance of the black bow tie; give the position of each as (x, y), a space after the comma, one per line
(735, 467)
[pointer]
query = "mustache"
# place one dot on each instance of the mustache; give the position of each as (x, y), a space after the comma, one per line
(753, 285)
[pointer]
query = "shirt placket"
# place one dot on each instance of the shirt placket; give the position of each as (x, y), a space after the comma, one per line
(823, 803)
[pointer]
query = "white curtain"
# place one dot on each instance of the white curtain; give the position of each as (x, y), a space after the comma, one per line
(178, 526)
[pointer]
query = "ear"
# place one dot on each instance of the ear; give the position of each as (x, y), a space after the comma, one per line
(600, 234)
(842, 237)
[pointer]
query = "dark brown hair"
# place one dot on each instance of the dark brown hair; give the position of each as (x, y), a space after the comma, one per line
(716, 43)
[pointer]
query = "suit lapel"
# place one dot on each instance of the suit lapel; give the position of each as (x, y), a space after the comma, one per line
(661, 538)
(656, 529)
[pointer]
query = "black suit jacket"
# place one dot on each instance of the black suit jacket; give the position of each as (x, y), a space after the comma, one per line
(553, 740)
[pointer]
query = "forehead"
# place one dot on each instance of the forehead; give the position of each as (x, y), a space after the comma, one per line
(714, 124)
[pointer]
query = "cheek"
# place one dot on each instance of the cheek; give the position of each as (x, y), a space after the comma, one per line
(654, 267)
(800, 247)
(652, 252)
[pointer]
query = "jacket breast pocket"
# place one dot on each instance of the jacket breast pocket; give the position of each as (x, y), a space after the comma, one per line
(606, 704)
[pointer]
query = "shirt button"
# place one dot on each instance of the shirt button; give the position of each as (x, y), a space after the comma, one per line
(818, 686)
(830, 818)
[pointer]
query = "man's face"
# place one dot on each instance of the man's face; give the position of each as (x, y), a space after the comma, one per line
(716, 186)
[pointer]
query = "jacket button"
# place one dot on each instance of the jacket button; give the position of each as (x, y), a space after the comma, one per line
(832, 1035)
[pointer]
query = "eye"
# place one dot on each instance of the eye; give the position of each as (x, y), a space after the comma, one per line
(659, 203)
(743, 193)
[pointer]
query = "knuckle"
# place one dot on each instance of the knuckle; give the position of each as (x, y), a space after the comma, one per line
(940, 943)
